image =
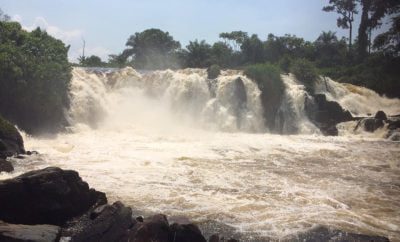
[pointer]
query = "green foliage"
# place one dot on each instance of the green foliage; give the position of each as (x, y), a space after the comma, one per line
(6, 128)
(268, 79)
(151, 49)
(198, 54)
(305, 72)
(213, 72)
(285, 63)
(34, 78)
(91, 61)
(329, 51)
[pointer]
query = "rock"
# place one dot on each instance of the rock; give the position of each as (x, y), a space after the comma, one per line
(155, 228)
(11, 141)
(238, 99)
(326, 234)
(213, 71)
(393, 135)
(370, 124)
(103, 223)
(47, 196)
(185, 233)
(5, 166)
(20, 232)
(325, 114)
(214, 238)
(381, 115)
(394, 124)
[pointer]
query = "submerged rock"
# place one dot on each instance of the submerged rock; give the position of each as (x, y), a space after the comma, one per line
(47, 196)
(11, 142)
(20, 232)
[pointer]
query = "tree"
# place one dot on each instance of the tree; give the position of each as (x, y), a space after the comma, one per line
(198, 54)
(389, 42)
(151, 49)
(116, 60)
(373, 11)
(34, 78)
(234, 38)
(329, 50)
(252, 50)
(346, 9)
(4, 17)
(91, 61)
(222, 54)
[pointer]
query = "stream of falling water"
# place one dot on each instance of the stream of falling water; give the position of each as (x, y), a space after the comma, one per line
(172, 142)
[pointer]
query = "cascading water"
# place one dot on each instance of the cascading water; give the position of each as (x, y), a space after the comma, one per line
(178, 143)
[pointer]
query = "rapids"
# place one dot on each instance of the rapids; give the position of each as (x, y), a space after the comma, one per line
(177, 143)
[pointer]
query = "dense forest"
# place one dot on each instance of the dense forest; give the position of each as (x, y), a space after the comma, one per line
(35, 72)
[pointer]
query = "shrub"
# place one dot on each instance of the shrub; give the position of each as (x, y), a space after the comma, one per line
(305, 72)
(34, 78)
(213, 71)
(268, 79)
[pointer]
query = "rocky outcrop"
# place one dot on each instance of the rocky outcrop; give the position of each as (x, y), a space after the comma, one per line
(11, 142)
(48, 196)
(54, 204)
(37, 233)
(103, 223)
(325, 114)
(5, 166)
(391, 125)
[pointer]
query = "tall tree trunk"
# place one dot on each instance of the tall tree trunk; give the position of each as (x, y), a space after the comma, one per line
(363, 30)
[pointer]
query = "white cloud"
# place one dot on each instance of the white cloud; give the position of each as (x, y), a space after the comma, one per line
(72, 37)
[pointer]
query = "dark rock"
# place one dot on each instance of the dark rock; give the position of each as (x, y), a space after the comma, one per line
(393, 135)
(11, 141)
(381, 115)
(370, 124)
(5, 166)
(232, 240)
(155, 228)
(214, 238)
(47, 196)
(185, 233)
(393, 124)
(20, 232)
(103, 223)
(140, 219)
(326, 114)
(325, 234)
(238, 99)
(213, 71)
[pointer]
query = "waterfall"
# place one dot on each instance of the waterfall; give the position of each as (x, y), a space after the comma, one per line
(183, 97)
(170, 99)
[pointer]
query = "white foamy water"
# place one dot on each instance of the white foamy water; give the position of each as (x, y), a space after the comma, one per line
(171, 142)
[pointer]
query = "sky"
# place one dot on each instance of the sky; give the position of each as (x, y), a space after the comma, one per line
(106, 25)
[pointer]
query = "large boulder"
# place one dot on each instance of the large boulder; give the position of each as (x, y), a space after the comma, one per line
(47, 196)
(21, 232)
(326, 114)
(103, 223)
(11, 141)
(185, 233)
(157, 228)
(5, 166)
